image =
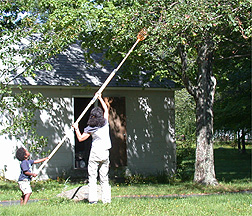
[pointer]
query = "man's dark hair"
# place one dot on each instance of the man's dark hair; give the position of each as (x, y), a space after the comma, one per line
(20, 154)
(96, 118)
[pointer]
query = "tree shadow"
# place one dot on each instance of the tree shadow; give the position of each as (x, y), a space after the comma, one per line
(231, 165)
(151, 139)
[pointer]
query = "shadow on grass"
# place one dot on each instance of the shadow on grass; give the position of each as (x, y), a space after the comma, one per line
(230, 164)
(8, 185)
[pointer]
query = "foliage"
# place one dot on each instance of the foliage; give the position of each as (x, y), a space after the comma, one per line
(232, 106)
(19, 109)
(185, 122)
(19, 112)
(112, 26)
(233, 99)
(185, 160)
(159, 178)
(170, 25)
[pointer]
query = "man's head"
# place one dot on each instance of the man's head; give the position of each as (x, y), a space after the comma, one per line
(96, 118)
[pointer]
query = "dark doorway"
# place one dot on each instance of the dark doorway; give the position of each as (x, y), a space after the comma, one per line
(117, 122)
(82, 149)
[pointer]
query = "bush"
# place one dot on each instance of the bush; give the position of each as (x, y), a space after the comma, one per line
(185, 160)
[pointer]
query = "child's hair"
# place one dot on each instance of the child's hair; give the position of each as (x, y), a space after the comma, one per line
(20, 154)
(96, 118)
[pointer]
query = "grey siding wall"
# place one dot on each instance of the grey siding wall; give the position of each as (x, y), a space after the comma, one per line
(150, 131)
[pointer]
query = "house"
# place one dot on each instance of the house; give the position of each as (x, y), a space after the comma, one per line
(142, 119)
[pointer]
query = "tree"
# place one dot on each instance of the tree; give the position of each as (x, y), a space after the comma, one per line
(184, 37)
(18, 110)
(29, 37)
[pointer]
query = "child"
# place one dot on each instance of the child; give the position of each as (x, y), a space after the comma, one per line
(98, 128)
(26, 174)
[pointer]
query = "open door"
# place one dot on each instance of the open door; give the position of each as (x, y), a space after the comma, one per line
(117, 123)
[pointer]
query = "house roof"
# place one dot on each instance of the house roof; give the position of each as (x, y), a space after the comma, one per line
(71, 69)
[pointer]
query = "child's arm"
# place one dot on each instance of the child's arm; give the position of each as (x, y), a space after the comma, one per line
(104, 105)
(30, 174)
(40, 160)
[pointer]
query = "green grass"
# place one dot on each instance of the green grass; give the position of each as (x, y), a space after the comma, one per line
(230, 204)
(233, 170)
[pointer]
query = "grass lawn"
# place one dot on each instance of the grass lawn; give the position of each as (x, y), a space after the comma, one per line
(233, 171)
(231, 204)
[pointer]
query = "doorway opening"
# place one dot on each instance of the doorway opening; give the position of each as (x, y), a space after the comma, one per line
(117, 123)
(82, 149)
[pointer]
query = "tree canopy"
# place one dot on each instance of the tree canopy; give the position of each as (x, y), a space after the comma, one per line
(233, 99)
(112, 26)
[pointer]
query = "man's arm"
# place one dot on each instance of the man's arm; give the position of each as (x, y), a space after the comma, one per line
(104, 106)
(80, 137)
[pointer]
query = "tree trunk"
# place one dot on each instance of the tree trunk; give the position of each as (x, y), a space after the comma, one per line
(204, 96)
(243, 141)
(239, 140)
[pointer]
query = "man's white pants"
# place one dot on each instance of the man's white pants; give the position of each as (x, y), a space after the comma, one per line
(103, 165)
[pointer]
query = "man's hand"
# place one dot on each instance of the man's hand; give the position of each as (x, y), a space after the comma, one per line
(75, 125)
(98, 95)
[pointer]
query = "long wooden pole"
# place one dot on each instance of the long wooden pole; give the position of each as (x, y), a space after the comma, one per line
(141, 36)
(112, 74)
(51, 154)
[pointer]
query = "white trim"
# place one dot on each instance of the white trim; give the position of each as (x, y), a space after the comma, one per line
(97, 87)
